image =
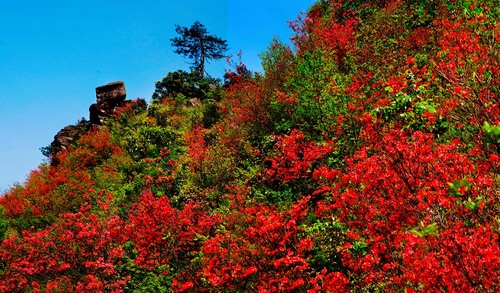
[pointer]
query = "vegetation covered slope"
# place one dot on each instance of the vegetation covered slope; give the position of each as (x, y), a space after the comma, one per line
(364, 159)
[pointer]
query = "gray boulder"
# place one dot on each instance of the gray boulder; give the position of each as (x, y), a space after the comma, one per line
(111, 93)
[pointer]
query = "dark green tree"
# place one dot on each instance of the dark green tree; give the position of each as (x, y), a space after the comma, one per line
(196, 44)
(191, 85)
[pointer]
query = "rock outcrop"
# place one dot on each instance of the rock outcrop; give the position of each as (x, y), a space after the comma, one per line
(108, 98)
(111, 93)
(63, 139)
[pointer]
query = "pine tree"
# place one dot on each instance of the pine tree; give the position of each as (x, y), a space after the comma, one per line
(196, 44)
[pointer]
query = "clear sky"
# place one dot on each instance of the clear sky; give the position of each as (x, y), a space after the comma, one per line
(54, 53)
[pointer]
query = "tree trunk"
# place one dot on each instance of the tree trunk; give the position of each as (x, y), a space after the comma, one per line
(201, 67)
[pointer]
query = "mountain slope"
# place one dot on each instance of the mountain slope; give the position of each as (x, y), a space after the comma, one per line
(365, 158)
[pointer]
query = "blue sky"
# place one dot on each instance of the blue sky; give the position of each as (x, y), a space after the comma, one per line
(54, 53)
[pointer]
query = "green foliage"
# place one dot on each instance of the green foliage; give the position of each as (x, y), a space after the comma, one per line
(144, 281)
(147, 141)
(210, 114)
(315, 82)
(282, 196)
(425, 230)
(492, 133)
(47, 150)
(424, 12)
(189, 85)
(4, 223)
(30, 220)
(459, 188)
(328, 236)
(473, 205)
(276, 60)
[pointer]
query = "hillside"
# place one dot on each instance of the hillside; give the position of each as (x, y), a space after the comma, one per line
(365, 158)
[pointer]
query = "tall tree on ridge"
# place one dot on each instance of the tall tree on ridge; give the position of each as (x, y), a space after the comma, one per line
(196, 44)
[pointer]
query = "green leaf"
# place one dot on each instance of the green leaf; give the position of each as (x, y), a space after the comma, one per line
(471, 204)
(459, 188)
(492, 132)
(424, 231)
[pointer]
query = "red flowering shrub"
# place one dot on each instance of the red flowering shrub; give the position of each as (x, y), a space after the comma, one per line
(163, 235)
(469, 63)
(258, 248)
(294, 158)
(77, 253)
(413, 206)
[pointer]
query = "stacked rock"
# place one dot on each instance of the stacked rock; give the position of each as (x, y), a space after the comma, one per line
(109, 96)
